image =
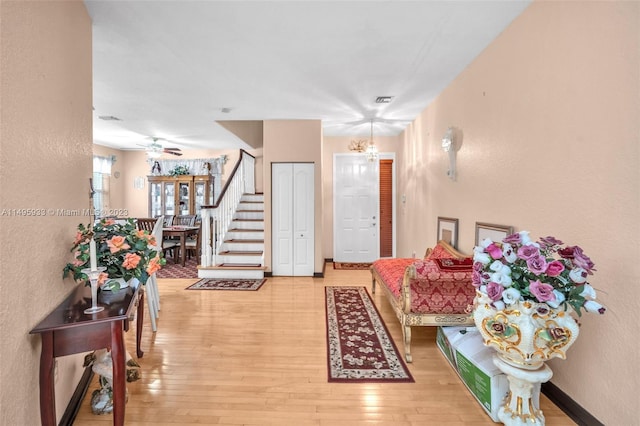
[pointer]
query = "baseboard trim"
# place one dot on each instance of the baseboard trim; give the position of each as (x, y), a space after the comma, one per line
(571, 408)
(69, 416)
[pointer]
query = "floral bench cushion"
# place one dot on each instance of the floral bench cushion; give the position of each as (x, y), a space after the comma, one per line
(442, 286)
(392, 271)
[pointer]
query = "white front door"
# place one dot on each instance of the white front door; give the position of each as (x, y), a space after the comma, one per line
(355, 208)
(292, 217)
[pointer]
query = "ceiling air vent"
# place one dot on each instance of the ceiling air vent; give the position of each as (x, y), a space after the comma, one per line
(383, 99)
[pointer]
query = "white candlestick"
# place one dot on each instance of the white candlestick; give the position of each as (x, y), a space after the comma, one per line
(92, 255)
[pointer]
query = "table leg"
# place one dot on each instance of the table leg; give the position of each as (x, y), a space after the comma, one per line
(183, 247)
(119, 373)
(47, 389)
(139, 321)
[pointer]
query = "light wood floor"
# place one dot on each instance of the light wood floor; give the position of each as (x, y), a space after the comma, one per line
(259, 358)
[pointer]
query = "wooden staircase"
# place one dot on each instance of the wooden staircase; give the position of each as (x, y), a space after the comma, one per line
(241, 254)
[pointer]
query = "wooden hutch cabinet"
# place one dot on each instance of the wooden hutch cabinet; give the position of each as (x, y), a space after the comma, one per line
(179, 195)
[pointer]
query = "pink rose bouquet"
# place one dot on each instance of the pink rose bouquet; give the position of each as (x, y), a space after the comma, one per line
(518, 269)
(124, 250)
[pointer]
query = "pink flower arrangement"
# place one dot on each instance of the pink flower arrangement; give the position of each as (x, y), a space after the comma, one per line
(124, 250)
(519, 269)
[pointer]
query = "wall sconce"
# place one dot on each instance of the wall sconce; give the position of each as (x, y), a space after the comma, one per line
(448, 146)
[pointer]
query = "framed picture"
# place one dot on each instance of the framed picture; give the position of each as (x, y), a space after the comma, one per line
(448, 230)
(489, 230)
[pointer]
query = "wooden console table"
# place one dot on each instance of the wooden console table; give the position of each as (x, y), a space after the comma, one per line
(68, 330)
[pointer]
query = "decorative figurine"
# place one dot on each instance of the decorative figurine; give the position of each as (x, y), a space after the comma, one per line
(155, 170)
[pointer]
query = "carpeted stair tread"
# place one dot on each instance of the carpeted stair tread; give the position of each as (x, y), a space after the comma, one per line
(241, 253)
(244, 241)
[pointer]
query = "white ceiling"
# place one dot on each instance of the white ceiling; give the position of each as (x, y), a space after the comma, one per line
(167, 68)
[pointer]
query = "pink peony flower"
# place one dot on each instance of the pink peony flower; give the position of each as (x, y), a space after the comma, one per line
(494, 251)
(582, 260)
(554, 268)
(537, 264)
(550, 242)
(542, 292)
(494, 291)
(513, 239)
(527, 252)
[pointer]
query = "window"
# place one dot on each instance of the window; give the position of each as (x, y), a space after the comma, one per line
(101, 175)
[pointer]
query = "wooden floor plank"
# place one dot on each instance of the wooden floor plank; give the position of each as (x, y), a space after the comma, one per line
(259, 358)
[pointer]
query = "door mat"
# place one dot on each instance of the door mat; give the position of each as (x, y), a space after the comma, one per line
(226, 284)
(351, 265)
(359, 347)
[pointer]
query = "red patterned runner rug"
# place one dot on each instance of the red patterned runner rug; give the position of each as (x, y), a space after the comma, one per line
(176, 270)
(359, 346)
(227, 284)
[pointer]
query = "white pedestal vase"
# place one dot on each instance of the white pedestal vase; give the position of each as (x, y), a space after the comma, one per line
(524, 335)
(519, 408)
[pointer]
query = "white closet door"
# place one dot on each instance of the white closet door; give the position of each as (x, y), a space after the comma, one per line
(303, 219)
(292, 219)
(282, 218)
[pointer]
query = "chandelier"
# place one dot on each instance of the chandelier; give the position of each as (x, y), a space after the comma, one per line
(372, 151)
(366, 147)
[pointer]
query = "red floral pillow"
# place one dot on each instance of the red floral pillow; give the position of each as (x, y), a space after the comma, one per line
(439, 252)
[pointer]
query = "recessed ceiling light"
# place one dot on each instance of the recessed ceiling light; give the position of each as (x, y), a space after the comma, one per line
(383, 99)
(108, 118)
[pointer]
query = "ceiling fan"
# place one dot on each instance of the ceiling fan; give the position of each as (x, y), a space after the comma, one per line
(155, 149)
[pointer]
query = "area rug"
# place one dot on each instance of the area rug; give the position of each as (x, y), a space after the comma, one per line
(176, 270)
(227, 284)
(359, 347)
(351, 265)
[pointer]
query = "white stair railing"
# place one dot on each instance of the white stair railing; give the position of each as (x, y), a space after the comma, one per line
(216, 219)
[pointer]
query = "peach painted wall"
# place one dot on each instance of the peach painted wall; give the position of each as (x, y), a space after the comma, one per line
(45, 165)
(293, 141)
(337, 145)
(550, 144)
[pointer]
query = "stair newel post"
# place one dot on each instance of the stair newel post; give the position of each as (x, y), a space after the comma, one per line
(216, 236)
(206, 237)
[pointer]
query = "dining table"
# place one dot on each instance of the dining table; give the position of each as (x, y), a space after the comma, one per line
(183, 232)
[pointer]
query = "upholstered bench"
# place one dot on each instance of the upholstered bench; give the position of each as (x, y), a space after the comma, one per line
(433, 291)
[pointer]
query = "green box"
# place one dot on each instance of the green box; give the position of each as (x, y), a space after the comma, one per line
(445, 347)
(479, 383)
(473, 362)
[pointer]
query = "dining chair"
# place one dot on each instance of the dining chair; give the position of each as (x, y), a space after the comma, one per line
(185, 220)
(153, 294)
(168, 220)
(192, 245)
(146, 223)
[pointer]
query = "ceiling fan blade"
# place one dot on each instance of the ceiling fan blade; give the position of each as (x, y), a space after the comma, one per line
(172, 153)
(172, 149)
